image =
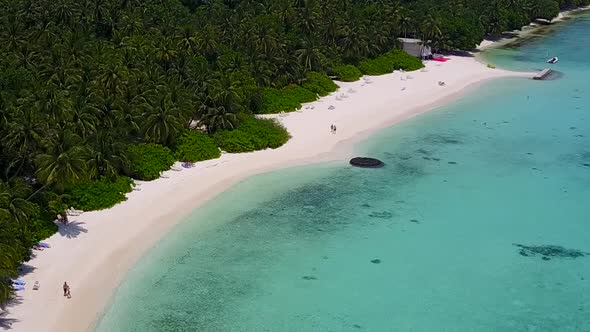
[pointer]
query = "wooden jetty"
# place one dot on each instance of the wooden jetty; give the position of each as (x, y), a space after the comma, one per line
(543, 74)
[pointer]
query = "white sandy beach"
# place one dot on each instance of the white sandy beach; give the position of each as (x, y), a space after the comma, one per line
(96, 249)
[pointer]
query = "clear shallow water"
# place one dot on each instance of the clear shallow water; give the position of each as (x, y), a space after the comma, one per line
(293, 250)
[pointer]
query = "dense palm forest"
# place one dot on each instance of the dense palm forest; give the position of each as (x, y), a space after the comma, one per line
(93, 92)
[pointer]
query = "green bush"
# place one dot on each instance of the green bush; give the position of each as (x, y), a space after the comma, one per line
(149, 160)
(347, 73)
(100, 194)
(41, 229)
(235, 141)
(253, 134)
(285, 100)
(386, 63)
(195, 146)
(320, 84)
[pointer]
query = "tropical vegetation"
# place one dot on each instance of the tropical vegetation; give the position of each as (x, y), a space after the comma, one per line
(93, 91)
(195, 146)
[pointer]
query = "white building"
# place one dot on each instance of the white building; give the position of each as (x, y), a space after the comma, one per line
(416, 47)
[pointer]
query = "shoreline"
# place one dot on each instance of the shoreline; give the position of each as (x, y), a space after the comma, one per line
(528, 31)
(94, 252)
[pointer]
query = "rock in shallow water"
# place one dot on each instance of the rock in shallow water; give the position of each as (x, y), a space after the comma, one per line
(366, 162)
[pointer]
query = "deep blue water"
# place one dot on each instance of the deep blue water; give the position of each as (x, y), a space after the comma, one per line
(427, 243)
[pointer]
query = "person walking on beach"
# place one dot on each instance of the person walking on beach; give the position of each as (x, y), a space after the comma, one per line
(334, 129)
(66, 288)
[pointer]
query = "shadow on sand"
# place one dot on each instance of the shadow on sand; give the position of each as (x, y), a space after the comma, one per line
(5, 321)
(25, 269)
(72, 229)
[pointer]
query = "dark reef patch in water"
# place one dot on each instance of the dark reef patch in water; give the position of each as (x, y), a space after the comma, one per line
(547, 252)
(382, 215)
(422, 151)
(443, 139)
(408, 170)
(376, 261)
(309, 278)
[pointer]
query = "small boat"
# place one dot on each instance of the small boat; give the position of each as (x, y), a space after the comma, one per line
(553, 60)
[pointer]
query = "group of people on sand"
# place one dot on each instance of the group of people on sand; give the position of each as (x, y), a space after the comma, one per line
(333, 128)
(66, 288)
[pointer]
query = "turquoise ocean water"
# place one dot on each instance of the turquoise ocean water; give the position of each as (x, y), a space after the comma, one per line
(427, 243)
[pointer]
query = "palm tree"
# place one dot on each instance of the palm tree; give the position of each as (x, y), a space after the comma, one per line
(64, 11)
(222, 105)
(108, 155)
(353, 42)
(430, 29)
(406, 23)
(84, 117)
(207, 42)
(23, 137)
(113, 76)
(187, 42)
(309, 55)
(218, 118)
(11, 36)
(52, 103)
(162, 122)
(9, 258)
(13, 202)
(64, 163)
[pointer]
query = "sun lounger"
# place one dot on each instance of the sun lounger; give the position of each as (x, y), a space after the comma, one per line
(18, 282)
(73, 212)
(331, 107)
(44, 245)
(176, 169)
(164, 176)
(136, 189)
(18, 287)
(36, 286)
